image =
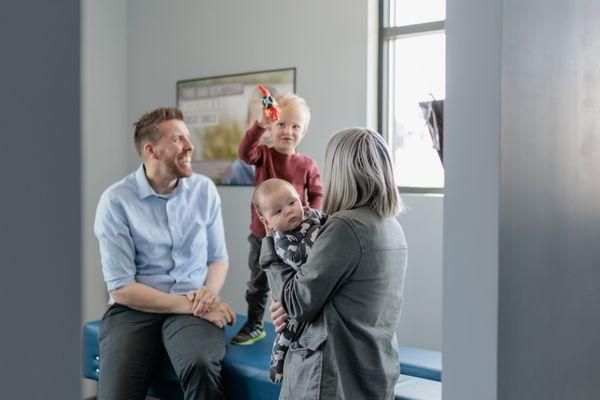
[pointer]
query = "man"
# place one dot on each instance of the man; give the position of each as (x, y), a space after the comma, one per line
(164, 262)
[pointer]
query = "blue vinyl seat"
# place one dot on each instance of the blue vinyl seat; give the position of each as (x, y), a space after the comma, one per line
(245, 369)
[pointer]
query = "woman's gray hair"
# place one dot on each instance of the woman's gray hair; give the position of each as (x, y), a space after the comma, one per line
(359, 172)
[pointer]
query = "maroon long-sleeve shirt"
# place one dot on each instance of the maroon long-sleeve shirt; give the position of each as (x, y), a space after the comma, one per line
(298, 169)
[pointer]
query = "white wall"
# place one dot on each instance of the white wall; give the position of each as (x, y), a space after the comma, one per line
(421, 321)
(328, 43)
(106, 133)
(472, 148)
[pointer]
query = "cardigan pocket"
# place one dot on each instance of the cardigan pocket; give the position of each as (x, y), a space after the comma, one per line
(307, 345)
(303, 368)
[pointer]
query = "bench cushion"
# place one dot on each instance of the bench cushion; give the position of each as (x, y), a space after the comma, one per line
(247, 367)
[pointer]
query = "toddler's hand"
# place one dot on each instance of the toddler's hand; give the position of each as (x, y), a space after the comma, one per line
(266, 120)
(270, 112)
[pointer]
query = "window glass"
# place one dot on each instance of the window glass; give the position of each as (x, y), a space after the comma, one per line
(410, 12)
(417, 65)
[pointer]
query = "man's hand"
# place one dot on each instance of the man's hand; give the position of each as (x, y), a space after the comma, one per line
(203, 299)
(278, 315)
(221, 315)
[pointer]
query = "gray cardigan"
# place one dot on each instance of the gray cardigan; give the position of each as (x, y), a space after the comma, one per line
(350, 293)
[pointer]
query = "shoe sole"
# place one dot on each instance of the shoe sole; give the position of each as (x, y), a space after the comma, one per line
(251, 341)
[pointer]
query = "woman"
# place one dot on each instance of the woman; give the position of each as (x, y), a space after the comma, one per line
(350, 289)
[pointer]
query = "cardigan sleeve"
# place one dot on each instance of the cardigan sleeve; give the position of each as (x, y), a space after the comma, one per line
(330, 264)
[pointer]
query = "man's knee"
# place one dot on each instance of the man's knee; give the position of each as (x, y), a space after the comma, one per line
(200, 367)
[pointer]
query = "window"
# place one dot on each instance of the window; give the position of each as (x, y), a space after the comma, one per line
(413, 69)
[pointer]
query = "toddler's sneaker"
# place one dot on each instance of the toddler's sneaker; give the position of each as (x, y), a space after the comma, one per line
(250, 333)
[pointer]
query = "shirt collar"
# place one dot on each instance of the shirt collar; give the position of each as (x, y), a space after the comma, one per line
(145, 190)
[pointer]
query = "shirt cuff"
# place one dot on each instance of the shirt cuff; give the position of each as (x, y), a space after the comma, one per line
(218, 259)
(267, 253)
(118, 283)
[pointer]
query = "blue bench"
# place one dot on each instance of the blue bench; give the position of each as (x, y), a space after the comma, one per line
(245, 369)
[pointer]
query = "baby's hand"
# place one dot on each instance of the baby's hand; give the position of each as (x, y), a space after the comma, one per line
(265, 223)
(268, 229)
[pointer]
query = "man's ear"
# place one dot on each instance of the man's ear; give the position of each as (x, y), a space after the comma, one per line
(149, 150)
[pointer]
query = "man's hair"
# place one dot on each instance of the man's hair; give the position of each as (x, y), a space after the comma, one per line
(359, 172)
(146, 128)
(268, 187)
(292, 102)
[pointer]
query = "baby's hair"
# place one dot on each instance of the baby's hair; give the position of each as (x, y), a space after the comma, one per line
(268, 187)
(292, 102)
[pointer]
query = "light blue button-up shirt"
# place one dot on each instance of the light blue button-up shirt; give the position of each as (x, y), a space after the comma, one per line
(163, 241)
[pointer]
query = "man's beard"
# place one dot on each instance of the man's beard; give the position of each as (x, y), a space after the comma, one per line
(177, 171)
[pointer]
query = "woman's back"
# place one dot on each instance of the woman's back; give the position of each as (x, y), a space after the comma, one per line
(351, 342)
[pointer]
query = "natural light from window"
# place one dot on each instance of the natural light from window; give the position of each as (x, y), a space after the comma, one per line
(410, 12)
(415, 68)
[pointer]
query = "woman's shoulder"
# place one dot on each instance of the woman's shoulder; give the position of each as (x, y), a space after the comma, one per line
(359, 215)
(370, 228)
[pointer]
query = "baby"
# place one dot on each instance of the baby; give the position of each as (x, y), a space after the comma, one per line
(295, 229)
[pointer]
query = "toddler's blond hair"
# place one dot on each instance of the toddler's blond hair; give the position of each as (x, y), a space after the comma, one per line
(292, 102)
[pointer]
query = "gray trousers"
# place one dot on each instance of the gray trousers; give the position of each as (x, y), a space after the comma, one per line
(257, 287)
(132, 342)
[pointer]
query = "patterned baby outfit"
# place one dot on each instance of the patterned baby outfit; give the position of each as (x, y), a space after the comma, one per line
(293, 248)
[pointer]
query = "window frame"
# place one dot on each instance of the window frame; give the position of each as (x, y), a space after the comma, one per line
(387, 34)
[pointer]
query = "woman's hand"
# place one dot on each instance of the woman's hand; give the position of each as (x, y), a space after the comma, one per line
(278, 315)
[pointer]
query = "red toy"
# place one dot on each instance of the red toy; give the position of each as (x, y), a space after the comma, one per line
(271, 110)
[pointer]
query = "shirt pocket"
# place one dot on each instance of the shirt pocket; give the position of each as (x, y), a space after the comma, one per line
(303, 368)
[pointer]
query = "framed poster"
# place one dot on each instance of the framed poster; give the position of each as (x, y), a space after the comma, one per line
(219, 110)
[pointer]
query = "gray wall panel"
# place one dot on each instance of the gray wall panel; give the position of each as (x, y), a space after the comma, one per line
(549, 275)
(40, 223)
(472, 117)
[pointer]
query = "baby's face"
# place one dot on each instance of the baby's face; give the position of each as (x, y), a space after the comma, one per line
(282, 209)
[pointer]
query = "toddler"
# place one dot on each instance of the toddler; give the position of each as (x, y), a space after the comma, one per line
(277, 160)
